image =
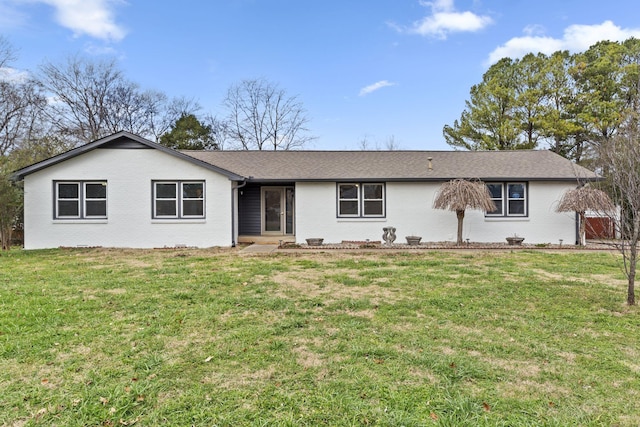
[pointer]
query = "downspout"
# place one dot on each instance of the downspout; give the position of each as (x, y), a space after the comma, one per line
(578, 237)
(234, 201)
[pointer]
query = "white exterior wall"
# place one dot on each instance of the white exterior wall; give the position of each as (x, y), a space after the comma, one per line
(409, 209)
(129, 174)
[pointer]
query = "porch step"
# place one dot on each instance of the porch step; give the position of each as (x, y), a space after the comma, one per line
(266, 240)
(259, 249)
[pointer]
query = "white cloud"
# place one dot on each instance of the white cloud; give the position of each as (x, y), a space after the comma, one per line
(96, 49)
(94, 18)
(444, 19)
(10, 17)
(576, 38)
(8, 74)
(534, 30)
(374, 87)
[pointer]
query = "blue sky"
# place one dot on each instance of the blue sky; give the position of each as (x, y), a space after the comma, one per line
(363, 69)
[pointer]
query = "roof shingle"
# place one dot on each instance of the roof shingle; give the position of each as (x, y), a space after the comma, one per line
(394, 165)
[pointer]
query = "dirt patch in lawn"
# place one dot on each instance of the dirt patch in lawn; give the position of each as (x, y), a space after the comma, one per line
(315, 284)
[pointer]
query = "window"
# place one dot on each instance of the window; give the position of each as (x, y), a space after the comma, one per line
(178, 199)
(496, 195)
(372, 200)
(510, 198)
(361, 200)
(80, 199)
(348, 200)
(516, 199)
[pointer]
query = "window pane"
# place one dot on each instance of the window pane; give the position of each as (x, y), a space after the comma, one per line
(68, 191)
(373, 208)
(348, 207)
(166, 208)
(96, 191)
(516, 207)
(372, 191)
(165, 191)
(289, 202)
(516, 191)
(192, 190)
(498, 209)
(96, 208)
(68, 208)
(495, 190)
(348, 191)
(192, 208)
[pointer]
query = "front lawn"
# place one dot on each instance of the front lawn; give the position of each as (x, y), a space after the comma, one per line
(211, 337)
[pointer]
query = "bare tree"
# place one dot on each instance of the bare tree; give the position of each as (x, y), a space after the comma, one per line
(131, 109)
(220, 129)
(365, 144)
(389, 144)
(168, 111)
(20, 108)
(621, 160)
(459, 195)
(7, 52)
(21, 113)
(92, 99)
(261, 116)
(81, 91)
(21, 103)
(582, 199)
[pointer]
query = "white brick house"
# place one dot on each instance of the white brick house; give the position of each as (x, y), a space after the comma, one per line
(126, 191)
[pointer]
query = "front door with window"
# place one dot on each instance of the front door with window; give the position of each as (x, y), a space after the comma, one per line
(277, 210)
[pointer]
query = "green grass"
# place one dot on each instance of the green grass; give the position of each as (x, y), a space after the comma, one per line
(197, 337)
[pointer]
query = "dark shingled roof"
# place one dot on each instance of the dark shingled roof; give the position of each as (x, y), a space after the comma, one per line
(289, 166)
(394, 165)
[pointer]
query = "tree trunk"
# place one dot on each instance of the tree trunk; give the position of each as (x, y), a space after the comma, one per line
(460, 215)
(5, 238)
(583, 226)
(631, 276)
(633, 259)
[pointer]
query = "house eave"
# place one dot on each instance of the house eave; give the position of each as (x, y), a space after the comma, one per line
(418, 179)
(101, 143)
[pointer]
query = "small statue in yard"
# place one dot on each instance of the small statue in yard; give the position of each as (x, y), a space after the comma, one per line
(389, 235)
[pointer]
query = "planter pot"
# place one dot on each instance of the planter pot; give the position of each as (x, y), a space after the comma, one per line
(513, 241)
(413, 240)
(314, 241)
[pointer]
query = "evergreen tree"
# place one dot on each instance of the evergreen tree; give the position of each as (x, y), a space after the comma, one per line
(489, 121)
(188, 133)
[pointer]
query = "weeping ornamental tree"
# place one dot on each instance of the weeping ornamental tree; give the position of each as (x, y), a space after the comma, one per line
(582, 199)
(459, 195)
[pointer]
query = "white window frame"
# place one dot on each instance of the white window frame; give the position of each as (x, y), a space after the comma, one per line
(497, 200)
(522, 198)
(381, 200)
(179, 199)
(505, 200)
(356, 199)
(81, 200)
(184, 198)
(361, 200)
(94, 199)
(165, 199)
